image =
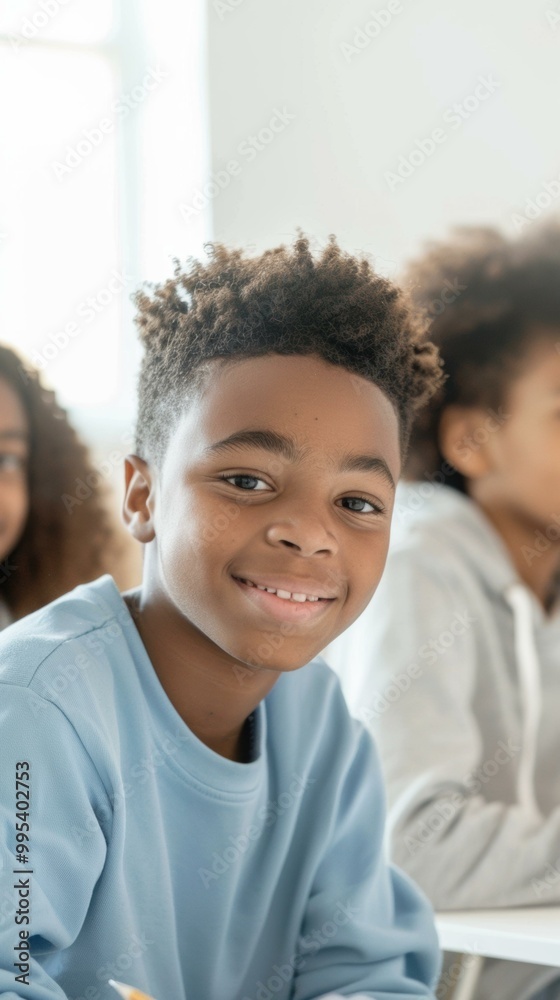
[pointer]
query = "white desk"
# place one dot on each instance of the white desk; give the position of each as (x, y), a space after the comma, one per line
(524, 934)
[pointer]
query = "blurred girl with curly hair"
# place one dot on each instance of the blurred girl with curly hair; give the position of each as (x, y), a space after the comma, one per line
(47, 545)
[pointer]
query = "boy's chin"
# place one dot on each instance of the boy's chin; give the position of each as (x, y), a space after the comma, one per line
(281, 663)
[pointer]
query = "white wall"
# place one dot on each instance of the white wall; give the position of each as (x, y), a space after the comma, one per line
(357, 112)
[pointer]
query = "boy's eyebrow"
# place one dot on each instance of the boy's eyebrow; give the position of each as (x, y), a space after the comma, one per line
(280, 444)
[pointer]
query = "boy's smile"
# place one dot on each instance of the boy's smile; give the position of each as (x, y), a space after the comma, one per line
(279, 475)
(287, 603)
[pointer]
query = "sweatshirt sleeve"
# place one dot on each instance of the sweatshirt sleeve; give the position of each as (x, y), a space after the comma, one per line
(51, 794)
(368, 932)
(416, 642)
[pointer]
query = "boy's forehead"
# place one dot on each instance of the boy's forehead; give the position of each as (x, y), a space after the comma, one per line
(284, 376)
(301, 397)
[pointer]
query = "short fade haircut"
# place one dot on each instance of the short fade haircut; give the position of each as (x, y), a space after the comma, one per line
(285, 301)
(488, 298)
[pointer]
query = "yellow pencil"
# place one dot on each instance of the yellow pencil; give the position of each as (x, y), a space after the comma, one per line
(128, 992)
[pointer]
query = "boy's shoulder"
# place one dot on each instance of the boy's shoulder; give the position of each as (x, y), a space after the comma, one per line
(50, 637)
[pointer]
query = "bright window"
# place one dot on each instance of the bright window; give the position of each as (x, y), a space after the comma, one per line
(103, 124)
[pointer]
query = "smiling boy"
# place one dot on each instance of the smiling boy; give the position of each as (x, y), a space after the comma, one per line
(206, 820)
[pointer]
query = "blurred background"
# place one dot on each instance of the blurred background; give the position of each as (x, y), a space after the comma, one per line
(132, 132)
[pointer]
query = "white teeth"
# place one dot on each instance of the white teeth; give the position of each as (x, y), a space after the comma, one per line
(283, 594)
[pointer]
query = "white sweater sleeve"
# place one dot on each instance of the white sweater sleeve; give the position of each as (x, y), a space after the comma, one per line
(416, 643)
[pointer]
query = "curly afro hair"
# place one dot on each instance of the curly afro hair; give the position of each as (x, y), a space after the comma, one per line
(285, 301)
(58, 549)
(488, 298)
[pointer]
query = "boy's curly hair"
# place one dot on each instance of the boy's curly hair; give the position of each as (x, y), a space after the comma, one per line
(58, 549)
(487, 298)
(285, 301)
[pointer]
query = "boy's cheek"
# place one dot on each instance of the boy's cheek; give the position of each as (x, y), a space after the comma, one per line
(369, 582)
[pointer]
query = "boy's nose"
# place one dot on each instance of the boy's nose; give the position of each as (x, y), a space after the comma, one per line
(307, 534)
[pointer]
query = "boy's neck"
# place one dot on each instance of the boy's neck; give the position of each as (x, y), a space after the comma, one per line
(212, 697)
(539, 570)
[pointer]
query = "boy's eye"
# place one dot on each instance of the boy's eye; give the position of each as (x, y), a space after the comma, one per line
(375, 508)
(243, 480)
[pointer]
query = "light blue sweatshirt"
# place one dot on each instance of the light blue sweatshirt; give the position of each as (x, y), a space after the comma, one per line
(153, 860)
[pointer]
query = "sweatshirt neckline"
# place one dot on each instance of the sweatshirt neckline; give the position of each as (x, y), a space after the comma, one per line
(190, 758)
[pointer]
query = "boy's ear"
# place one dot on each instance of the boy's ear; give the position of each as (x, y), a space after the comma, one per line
(137, 510)
(465, 440)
